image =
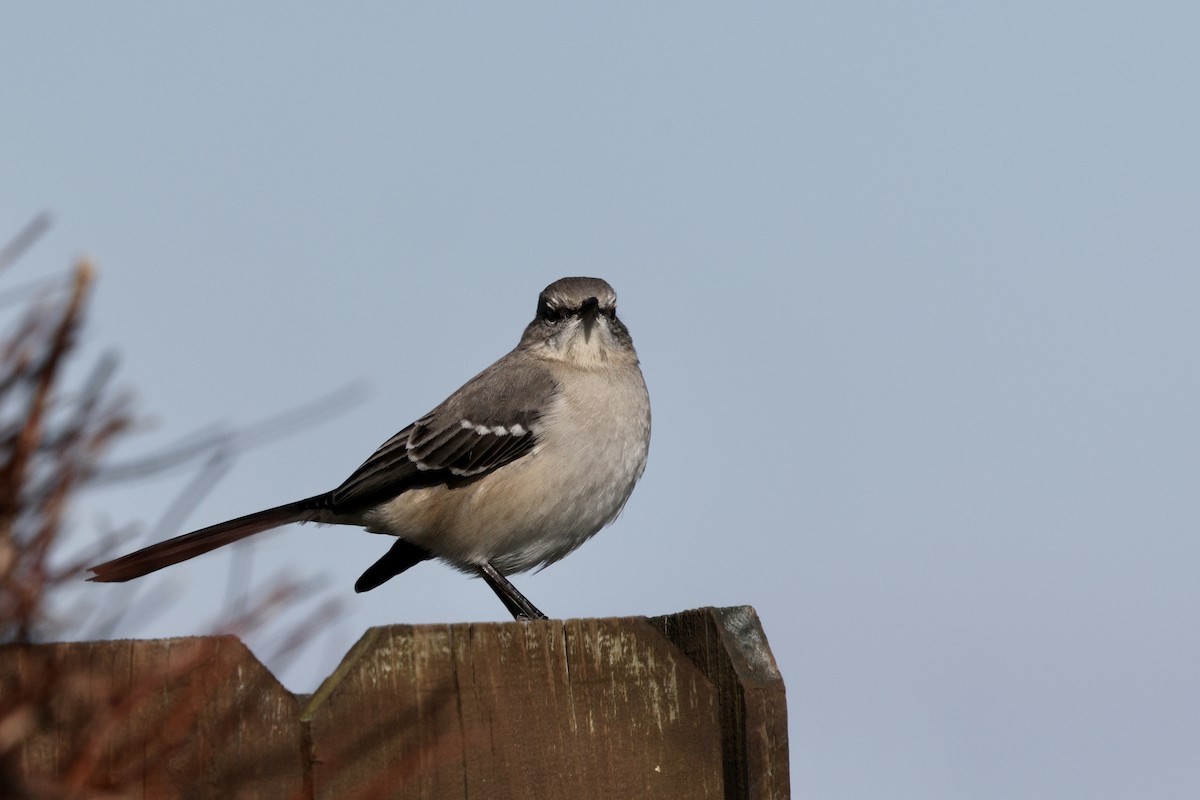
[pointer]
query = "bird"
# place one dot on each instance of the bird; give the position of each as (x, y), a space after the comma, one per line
(511, 472)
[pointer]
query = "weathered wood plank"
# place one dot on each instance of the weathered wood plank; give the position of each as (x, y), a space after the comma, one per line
(730, 647)
(584, 709)
(168, 718)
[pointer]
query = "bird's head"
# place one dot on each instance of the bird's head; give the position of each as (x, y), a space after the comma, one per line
(577, 323)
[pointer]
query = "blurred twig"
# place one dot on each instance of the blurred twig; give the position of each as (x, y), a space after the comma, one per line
(33, 490)
(200, 444)
(24, 239)
(54, 442)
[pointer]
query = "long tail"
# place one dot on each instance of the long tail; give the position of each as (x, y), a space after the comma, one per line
(189, 545)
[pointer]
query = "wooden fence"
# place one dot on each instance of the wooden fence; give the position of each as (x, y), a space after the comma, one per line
(689, 705)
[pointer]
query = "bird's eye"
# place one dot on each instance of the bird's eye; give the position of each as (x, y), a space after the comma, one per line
(551, 314)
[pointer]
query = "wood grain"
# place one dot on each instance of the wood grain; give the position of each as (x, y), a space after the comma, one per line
(689, 705)
(166, 718)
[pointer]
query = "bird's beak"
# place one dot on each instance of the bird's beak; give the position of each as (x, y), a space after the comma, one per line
(589, 312)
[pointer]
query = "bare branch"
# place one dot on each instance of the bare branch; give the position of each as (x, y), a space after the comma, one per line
(24, 239)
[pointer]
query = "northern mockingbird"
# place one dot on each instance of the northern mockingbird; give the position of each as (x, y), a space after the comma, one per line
(513, 471)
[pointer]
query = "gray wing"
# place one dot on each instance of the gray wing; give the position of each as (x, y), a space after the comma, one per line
(489, 422)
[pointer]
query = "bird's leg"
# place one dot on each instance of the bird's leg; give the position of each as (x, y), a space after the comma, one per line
(517, 604)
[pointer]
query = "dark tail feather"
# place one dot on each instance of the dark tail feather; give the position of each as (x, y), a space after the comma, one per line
(189, 545)
(400, 557)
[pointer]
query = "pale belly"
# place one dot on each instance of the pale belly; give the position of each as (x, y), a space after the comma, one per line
(541, 507)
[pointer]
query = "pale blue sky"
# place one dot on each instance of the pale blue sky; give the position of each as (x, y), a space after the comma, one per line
(916, 289)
